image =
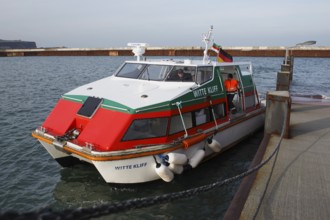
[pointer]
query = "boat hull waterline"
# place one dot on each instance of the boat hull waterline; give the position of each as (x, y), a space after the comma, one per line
(122, 169)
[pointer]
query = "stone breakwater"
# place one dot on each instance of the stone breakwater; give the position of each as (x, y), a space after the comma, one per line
(170, 51)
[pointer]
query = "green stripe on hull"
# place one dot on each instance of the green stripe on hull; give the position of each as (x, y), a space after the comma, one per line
(194, 97)
(107, 104)
(75, 98)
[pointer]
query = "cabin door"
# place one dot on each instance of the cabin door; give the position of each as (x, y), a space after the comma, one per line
(236, 97)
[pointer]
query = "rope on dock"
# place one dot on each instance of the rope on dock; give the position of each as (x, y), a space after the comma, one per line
(116, 207)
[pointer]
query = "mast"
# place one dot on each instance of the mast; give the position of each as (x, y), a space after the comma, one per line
(206, 40)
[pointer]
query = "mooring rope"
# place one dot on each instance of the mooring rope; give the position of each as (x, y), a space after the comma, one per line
(277, 149)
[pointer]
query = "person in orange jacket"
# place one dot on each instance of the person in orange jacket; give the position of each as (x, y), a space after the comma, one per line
(231, 86)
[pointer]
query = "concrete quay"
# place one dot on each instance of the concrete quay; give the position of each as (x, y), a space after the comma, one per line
(295, 183)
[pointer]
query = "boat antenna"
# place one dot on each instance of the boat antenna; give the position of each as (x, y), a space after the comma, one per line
(206, 40)
(138, 49)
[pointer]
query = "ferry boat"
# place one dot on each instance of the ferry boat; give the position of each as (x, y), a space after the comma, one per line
(153, 119)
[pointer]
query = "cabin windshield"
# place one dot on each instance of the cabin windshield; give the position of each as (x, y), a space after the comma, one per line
(246, 69)
(146, 128)
(156, 72)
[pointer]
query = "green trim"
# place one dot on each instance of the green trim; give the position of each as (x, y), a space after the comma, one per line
(163, 106)
(196, 96)
(108, 104)
(75, 98)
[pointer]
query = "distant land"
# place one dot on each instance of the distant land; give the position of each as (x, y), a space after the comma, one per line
(17, 44)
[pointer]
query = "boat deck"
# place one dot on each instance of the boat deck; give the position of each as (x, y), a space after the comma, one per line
(297, 185)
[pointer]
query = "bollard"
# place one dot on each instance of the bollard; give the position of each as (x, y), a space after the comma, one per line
(278, 108)
(285, 67)
(291, 67)
(284, 77)
(288, 66)
(283, 81)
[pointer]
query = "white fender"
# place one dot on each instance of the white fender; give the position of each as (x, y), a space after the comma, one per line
(177, 169)
(164, 172)
(177, 158)
(215, 145)
(197, 158)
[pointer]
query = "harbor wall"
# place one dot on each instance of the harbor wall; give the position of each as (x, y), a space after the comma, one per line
(170, 51)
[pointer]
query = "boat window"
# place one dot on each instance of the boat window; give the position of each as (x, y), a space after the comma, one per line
(146, 128)
(202, 116)
(246, 69)
(176, 122)
(204, 74)
(182, 74)
(131, 70)
(155, 72)
(226, 70)
(196, 118)
(219, 110)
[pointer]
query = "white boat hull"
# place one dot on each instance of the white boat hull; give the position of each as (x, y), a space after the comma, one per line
(135, 170)
(142, 169)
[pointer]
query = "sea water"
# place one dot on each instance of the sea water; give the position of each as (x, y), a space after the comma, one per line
(30, 179)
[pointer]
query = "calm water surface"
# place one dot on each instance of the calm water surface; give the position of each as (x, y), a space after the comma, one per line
(30, 179)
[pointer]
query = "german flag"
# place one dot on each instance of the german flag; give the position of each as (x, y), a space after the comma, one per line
(216, 48)
(223, 56)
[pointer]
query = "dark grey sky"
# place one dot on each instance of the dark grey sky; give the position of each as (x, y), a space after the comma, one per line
(114, 23)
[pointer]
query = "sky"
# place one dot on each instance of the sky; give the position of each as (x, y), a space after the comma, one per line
(164, 23)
